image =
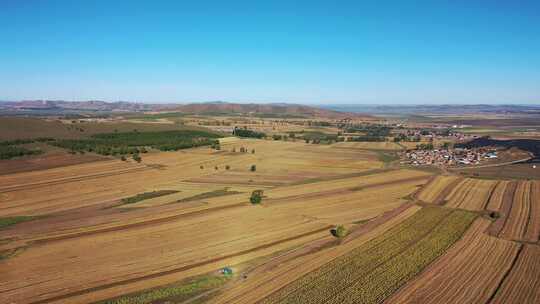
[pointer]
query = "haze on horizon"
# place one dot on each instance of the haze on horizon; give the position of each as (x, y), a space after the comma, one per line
(314, 52)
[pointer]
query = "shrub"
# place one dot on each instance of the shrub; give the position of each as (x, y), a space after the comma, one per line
(256, 197)
(253, 168)
(339, 231)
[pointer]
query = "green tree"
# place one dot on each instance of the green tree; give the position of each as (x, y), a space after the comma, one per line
(256, 197)
(253, 168)
(137, 158)
(340, 231)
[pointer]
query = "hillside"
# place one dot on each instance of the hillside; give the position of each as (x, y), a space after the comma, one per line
(286, 110)
(209, 108)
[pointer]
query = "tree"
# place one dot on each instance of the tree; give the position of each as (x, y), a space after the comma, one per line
(339, 231)
(216, 167)
(252, 151)
(256, 197)
(137, 158)
(202, 167)
(227, 167)
(123, 158)
(253, 168)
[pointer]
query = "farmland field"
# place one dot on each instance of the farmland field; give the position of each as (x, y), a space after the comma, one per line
(183, 206)
(369, 273)
(83, 228)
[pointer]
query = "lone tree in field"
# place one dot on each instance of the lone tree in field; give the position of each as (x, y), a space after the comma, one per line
(227, 167)
(253, 168)
(339, 231)
(252, 151)
(202, 167)
(256, 197)
(137, 158)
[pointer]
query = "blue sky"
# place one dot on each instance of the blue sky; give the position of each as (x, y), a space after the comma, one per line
(341, 52)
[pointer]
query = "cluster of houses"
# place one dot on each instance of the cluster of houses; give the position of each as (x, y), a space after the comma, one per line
(450, 157)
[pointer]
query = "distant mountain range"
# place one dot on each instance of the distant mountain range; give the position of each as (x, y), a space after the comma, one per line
(214, 107)
(437, 109)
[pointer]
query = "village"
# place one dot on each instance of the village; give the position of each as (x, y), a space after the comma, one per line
(448, 157)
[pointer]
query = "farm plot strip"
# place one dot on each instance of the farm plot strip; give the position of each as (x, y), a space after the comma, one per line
(518, 218)
(371, 272)
(157, 221)
(505, 207)
(70, 179)
(477, 263)
(496, 198)
(179, 269)
(339, 191)
(533, 228)
(440, 199)
(522, 285)
(471, 194)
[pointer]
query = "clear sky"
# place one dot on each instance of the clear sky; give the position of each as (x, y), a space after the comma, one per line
(340, 52)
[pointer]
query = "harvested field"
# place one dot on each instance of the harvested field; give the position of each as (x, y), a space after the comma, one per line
(83, 250)
(278, 273)
(369, 273)
(533, 226)
(45, 161)
(518, 219)
(497, 196)
(431, 193)
(386, 145)
(468, 273)
(471, 194)
(522, 285)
